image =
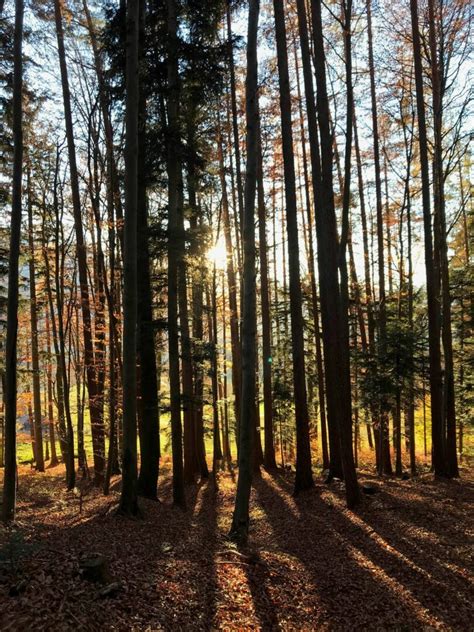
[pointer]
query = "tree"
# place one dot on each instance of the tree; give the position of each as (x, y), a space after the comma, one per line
(240, 519)
(173, 168)
(34, 335)
(94, 397)
(431, 264)
(9, 483)
(304, 476)
(334, 312)
(128, 498)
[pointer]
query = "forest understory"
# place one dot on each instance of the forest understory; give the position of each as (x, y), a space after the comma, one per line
(403, 560)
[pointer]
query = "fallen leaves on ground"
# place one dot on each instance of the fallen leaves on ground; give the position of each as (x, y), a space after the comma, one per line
(402, 561)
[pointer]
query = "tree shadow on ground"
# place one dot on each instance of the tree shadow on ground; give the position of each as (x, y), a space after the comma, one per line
(375, 564)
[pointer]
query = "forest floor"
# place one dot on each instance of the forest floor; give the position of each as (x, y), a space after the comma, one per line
(403, 561)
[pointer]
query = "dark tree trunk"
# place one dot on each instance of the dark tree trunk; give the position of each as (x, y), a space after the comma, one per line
(328, 272)
(9, 481)
(148, 428)
(385, 466)
(269, 447)
(431, 263)
(240, 519)
(49, 381)
(95, 405)
(34, 337)
(173, 257)
(128, 498)
(232, 283)
(304, 475)
(441, 249)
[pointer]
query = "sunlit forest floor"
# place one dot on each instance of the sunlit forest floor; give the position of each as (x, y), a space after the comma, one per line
(403, 561)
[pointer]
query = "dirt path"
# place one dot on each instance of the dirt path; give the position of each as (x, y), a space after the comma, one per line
(403, 561)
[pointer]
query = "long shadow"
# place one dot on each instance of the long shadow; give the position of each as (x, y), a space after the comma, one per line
(259, 580)
(163, 562)
(345, 563)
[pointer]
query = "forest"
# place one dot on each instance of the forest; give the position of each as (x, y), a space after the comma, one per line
(236, 315)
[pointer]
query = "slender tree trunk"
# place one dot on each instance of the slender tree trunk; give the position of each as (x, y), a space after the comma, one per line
(240, 519)
(9, 481)
(432, 267)
(269, 448)
(49, 382)
(441, 249)
(385, 466)
(235, 121)
(128, 498)
(232, 283)
(97, 425)
(217, 450)
(328, 274)
(312, 276)
(173, 257)
(148, 429)
(34, 337)
(304, 475)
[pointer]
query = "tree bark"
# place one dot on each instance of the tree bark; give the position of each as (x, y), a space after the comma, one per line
(128, 499)
(431, 263)
(240, 518)
(97, 425)
(9, 481)
(173, 168)
(34, 336)
(304, 475)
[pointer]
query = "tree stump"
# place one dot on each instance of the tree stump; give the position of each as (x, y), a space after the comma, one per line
(94, 568)
(369, 489)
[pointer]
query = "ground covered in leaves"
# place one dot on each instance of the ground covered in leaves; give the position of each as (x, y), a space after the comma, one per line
(403, 561)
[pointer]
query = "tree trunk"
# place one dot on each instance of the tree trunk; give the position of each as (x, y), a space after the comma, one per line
(232, 283)
(240, 519)
(128, 498)
(148, 428)
(34, 337)
(9, 481)
(173, 257)
(385, 466)
(441, 251)
(431, 263)
(304, 475)
(269, 447)
(49, 380)
(97, 425)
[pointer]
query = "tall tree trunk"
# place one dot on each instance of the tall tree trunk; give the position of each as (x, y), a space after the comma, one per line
(49, 380)
(9, 481)
(97, 424)
(312, 277)
(440, 247)
(148, 429)
(304, 475)
(61, 329)
(269, 447)
(327, 261)
(431, 263)
(34, 336)
(217, 450)
(128, 498)
(335, 298)
(232, 283)
(240, 519)
(235, 121)
(189, 434)
(173, 257)
(385, 466)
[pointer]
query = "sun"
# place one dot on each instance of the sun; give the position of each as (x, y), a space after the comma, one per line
(217, 255)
